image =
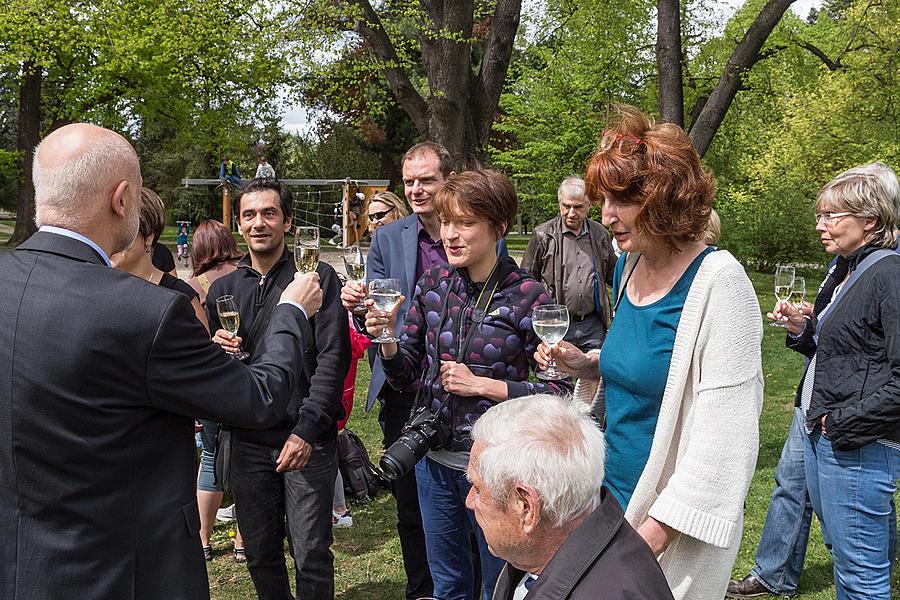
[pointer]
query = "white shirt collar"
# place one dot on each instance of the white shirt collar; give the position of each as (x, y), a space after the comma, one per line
(77, 236)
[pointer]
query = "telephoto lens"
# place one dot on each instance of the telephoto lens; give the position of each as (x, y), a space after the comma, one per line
(422, 433)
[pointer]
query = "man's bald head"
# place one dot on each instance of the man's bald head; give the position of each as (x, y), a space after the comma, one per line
(77, 169)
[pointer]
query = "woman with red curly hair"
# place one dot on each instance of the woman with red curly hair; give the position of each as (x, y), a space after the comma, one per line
(681, 365)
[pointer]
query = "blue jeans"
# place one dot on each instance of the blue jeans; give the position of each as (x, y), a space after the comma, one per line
(782, 547)
(296, 505)
(448, 525)
(851, 492)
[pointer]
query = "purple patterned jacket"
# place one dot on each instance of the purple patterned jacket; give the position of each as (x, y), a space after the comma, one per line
(502, 347)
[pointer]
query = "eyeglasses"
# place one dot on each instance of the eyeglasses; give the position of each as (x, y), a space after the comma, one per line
(377, 216)
(830, 217)
(627, 143)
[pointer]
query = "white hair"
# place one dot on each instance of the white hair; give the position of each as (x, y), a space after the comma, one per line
(68, 193)
(870, 190)
(547, 443)
(571, 187)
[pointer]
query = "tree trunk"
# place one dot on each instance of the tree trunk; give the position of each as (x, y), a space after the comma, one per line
(744, 56)
(461, 105)
(448, 65)
(668, 61)
(28, 138)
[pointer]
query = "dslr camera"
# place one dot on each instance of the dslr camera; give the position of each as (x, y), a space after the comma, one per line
(423, 432)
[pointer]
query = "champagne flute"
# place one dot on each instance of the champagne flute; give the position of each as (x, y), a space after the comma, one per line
(355, 264)
(386, 295)
(230, 319)
(798, 292)
(784, 282)
(306, 249)
(550, 323)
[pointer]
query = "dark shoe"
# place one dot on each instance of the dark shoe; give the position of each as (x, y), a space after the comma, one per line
(748, 587)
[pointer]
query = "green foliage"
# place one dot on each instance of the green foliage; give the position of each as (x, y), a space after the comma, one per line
(799, 124)
(585, 56)
(9, 175)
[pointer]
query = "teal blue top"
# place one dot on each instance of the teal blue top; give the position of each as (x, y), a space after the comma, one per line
(634, 365)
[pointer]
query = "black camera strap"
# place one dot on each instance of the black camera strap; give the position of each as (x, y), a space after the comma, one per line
(478, 314)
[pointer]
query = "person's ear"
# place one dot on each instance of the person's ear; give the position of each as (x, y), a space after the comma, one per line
(527, 505)
(119, 199)
(870, 223)
(288, 223)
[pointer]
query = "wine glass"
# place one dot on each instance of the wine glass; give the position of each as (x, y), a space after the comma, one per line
(550, 323)
(306, 249)
(386, 295)
(798, 292)
(784, 282)
(230, 319)
(355, 264)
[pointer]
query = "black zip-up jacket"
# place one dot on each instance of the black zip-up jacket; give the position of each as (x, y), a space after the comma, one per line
(857, 379)
(315, 405)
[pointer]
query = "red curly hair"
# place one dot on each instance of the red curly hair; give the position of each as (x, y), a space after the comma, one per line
(657, 167)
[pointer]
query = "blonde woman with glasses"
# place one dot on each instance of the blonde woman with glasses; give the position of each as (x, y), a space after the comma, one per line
(384, 208)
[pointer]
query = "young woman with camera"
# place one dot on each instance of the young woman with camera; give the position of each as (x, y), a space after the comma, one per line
(469, 331)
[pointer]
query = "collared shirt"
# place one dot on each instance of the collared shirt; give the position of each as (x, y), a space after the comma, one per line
(525, 584)
(77, 236)
(430, 253)
(578, 271)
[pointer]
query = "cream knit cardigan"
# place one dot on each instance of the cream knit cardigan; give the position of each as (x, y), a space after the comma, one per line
(706, 440)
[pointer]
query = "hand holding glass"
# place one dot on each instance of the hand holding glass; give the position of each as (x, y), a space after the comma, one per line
(306, 249)
(550, 323)
(355, 264)
(385, 293)
(230, 318)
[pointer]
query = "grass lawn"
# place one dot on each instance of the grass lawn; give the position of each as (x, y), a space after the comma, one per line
(367, 557)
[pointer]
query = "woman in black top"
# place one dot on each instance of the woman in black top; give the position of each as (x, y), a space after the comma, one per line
(850, 393)
(137, 258)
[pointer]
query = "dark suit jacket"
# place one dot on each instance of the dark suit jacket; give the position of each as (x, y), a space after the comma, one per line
(393, 254)
(101, 376)
(603, 559)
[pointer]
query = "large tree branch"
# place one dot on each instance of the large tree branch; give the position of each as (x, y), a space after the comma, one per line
(740, 61)
(494, 66)
(371, 28)
(833, 65)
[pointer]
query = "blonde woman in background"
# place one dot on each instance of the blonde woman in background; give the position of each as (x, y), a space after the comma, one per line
(384, 208)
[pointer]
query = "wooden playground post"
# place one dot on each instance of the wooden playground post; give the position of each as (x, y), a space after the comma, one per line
(226, 206)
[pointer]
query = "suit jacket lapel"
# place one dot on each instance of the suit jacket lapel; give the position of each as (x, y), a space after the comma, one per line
(53, 243)
(410, 245)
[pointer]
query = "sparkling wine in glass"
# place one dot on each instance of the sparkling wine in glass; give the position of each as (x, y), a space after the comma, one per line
(798, 292)
(550, 323)
(784, 283)
(355, 263)
(230, 318)
(306, 249)
(385, 293)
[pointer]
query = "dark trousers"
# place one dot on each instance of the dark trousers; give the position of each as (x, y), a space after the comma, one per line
(395, 409)
(296, 505)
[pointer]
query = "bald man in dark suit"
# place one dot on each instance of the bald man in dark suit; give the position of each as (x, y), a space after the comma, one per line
(101, 377)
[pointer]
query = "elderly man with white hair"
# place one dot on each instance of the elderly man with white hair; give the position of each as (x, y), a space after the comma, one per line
(573, 257)
(536, 469)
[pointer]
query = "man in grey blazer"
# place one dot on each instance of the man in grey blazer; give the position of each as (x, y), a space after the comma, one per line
(101, 377)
